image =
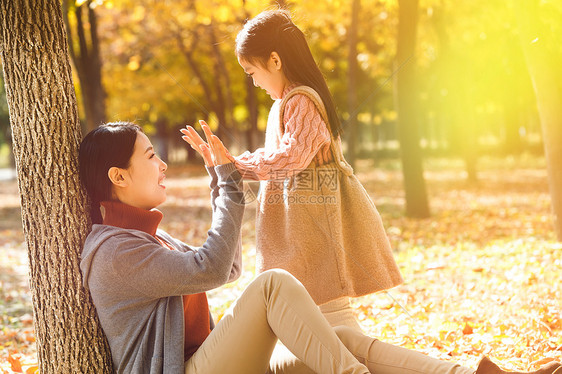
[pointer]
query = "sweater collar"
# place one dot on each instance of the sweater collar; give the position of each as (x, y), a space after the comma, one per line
(129, 217)
(289, 88)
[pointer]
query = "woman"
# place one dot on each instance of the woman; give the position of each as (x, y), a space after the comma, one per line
(149, 288)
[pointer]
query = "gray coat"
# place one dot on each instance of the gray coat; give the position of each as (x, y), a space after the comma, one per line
(137, 284)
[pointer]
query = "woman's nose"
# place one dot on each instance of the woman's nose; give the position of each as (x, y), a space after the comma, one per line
(164, 166)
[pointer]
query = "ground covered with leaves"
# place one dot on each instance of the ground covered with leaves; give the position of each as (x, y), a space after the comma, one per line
(482, 275)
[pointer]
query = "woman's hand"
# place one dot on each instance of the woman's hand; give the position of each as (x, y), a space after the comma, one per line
(196, 142)
(213, 151)
(219, 153)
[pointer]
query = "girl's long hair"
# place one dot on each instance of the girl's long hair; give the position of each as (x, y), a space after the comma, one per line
(107, 146)
(274, 31)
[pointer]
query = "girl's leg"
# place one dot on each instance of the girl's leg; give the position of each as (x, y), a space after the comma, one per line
(383, 358)
(339, 313)
(275, 305)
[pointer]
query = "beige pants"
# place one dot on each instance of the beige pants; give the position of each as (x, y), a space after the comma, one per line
(276, 306)
(339, 313)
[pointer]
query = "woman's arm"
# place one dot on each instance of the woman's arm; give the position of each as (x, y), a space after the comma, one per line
(305, 134)
(236, 270)
(213, 185)
(213, 153)
(155, 271)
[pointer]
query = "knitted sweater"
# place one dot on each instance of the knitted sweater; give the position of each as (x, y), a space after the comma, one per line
(319, 224)
(137, 284)
(306, 138)
(197, 322)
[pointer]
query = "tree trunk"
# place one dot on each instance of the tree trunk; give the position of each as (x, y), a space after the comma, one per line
(162, 138)
(88, 64)
(352, 83)
(405, 98)
(455, 113)
(251, 99)
(223, 107)
(46, 136)
(544, 69)
(217, 105)
(252, 103)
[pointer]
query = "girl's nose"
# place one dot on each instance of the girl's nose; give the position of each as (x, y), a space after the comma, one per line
(255, 84)
(164, 166)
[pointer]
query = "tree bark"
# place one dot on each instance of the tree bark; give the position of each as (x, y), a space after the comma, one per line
(544, 69)
(46, 137)
(352, 83)
(405, 98)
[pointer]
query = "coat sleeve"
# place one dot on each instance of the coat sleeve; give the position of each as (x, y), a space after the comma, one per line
(155, 271)
(236, 269)
(305, 134)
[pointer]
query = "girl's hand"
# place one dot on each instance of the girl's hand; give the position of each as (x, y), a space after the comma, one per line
(219, 153)
(196, 142)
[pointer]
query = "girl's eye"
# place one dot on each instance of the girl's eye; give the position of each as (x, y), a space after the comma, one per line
(152, 155)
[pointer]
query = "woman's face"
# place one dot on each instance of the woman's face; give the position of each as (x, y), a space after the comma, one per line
(142, 182)
(269, 78)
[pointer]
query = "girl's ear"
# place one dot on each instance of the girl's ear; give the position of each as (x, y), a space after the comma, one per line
(275, 60)
(117, 176)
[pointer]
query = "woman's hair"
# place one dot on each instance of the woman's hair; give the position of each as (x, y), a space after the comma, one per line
(274, 31)
(107, 146)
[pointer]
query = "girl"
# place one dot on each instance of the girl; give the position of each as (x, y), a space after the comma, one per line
(328, 233)
(149, 288)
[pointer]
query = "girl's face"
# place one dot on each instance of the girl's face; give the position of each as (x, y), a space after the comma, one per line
(269, 77)
(141, 184)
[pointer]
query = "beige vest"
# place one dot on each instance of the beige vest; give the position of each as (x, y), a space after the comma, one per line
(320, 225)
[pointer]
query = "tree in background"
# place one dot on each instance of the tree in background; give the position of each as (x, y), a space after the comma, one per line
(46, 136)
(450, 91)
(406, 103)
(352, 82)
(252, 131)
(85, 53)
(175, 59)
(171, 63)
(544, 58)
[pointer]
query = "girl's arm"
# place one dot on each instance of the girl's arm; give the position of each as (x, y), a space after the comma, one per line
(155, 271)
(305, 134)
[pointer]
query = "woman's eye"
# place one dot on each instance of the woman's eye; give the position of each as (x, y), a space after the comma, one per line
(152, 155)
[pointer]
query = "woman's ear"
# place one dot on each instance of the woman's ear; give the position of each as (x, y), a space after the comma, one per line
(275, 60)
(117, 177)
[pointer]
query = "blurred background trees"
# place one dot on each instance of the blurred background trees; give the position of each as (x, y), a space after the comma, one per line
(469, 92)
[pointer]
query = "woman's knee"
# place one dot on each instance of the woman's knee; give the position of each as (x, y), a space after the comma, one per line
(276, 276)
(277, 279)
